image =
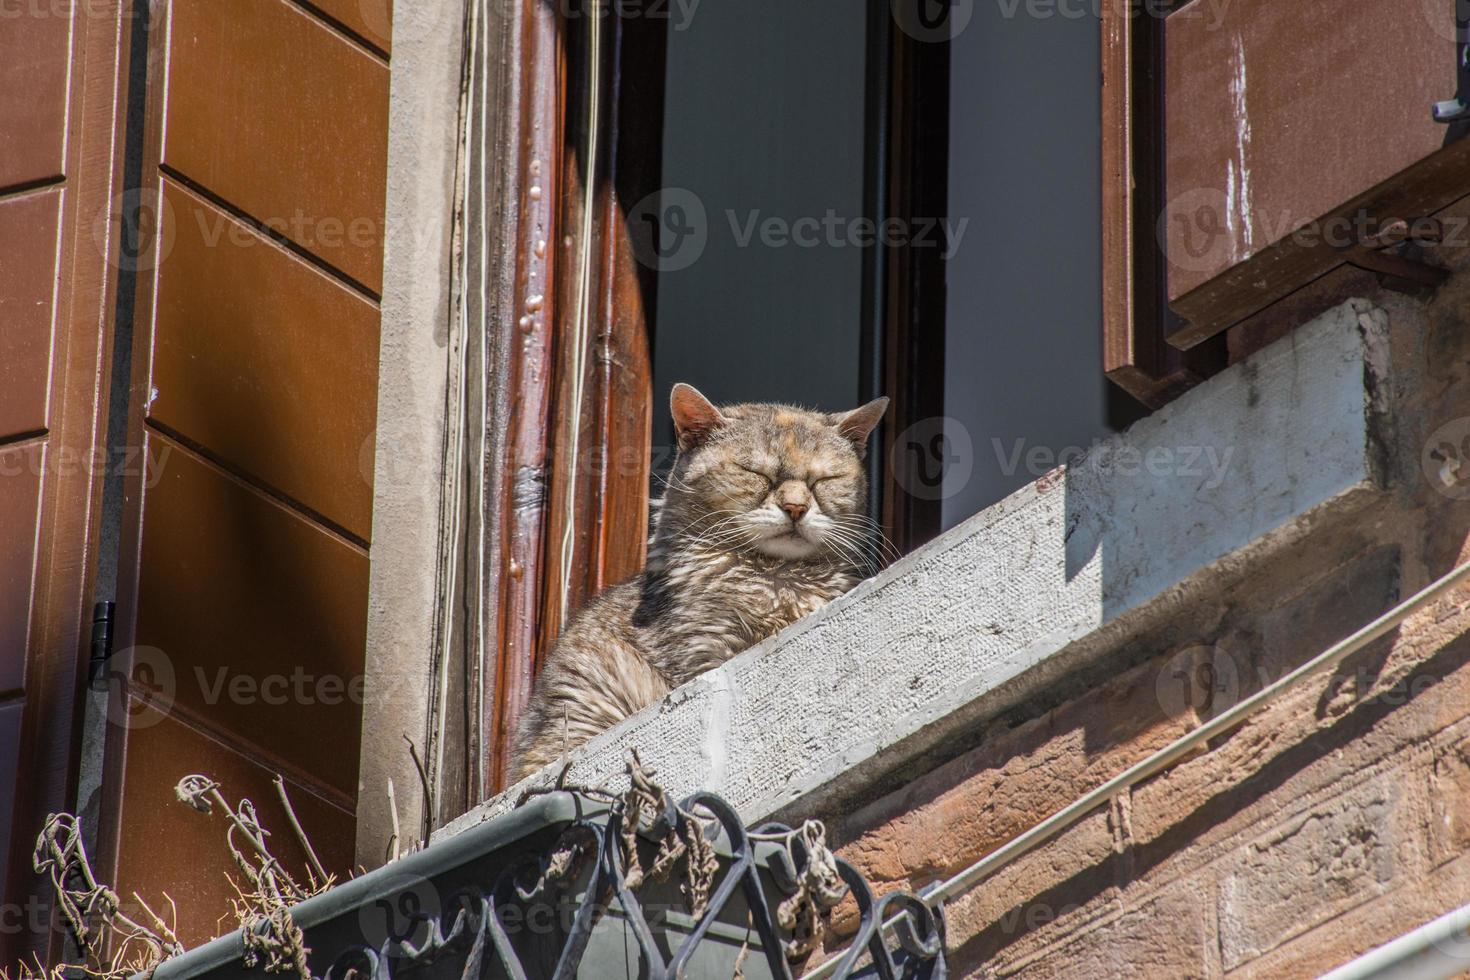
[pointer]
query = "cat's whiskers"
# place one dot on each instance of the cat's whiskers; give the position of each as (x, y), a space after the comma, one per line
(849, 553)
(726, 534)
(673, 481)
(852, 545)
(719, 517)
(873, 531)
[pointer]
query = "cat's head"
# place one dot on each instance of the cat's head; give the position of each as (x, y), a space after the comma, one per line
(784, 481)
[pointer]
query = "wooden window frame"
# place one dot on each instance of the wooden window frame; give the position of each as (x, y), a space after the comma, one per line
(1136, 315)
(904, 285)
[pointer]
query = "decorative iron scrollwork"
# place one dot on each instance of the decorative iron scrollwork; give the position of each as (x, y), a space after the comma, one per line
(583, 879)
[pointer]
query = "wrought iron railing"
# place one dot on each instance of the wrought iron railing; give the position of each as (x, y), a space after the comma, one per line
(617, 929)
(590, 885)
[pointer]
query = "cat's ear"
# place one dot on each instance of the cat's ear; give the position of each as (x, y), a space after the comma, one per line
(695, 418)
(858, 424)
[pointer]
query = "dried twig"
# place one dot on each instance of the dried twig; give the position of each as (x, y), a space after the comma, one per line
(427, 827)
(392, 850)
(317, 870)
(264, 907)
(115, 945)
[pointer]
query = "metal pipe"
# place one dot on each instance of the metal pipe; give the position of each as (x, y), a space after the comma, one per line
(1173, 752)
(1435, 951)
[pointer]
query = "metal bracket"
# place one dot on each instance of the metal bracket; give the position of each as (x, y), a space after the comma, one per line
(1455, 112)
(1396, 253)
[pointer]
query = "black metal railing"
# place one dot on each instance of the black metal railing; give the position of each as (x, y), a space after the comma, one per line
(571, 909)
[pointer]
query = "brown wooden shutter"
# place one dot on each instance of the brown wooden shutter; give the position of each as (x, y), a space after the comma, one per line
(60, 169)
(244, 574)
(1218, 211)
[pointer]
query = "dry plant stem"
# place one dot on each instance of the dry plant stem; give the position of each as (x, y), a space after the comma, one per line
(270, 867)
(271, 937)
(316, 865)
(60, 854)
(392, 850)
(427, 828)
(163, 928)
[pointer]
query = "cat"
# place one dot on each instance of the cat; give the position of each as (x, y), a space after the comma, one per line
(763, 522)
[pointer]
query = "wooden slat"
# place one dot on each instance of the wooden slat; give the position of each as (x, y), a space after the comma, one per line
(20, 494)
(234, 588)
(284, 120)
(29, 227)
(910, 281)
(249, 600)
(268, 363)
(1288, 124)
(35, 47)
(371, 20)
(11, 716)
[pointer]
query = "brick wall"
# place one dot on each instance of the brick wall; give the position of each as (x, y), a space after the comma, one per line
(1333, 821)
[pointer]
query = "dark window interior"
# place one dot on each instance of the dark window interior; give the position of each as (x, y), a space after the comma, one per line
(764, 117)
(770, 153)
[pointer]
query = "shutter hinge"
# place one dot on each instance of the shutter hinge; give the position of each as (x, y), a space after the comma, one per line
(103, 615)
(1456, 112)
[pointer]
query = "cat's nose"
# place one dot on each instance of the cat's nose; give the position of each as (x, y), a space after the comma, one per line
(796, 511)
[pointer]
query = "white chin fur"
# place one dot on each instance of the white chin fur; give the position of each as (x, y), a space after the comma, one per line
(786, 546)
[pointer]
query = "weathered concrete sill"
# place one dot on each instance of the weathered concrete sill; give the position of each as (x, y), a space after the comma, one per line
(1029, 591)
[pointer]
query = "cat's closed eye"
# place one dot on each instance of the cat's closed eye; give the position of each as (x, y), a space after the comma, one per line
(769, 480)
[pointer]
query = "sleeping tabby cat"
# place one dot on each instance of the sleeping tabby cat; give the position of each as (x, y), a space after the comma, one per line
(763, 522)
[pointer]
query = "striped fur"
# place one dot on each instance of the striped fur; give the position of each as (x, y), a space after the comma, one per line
(763, 522)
